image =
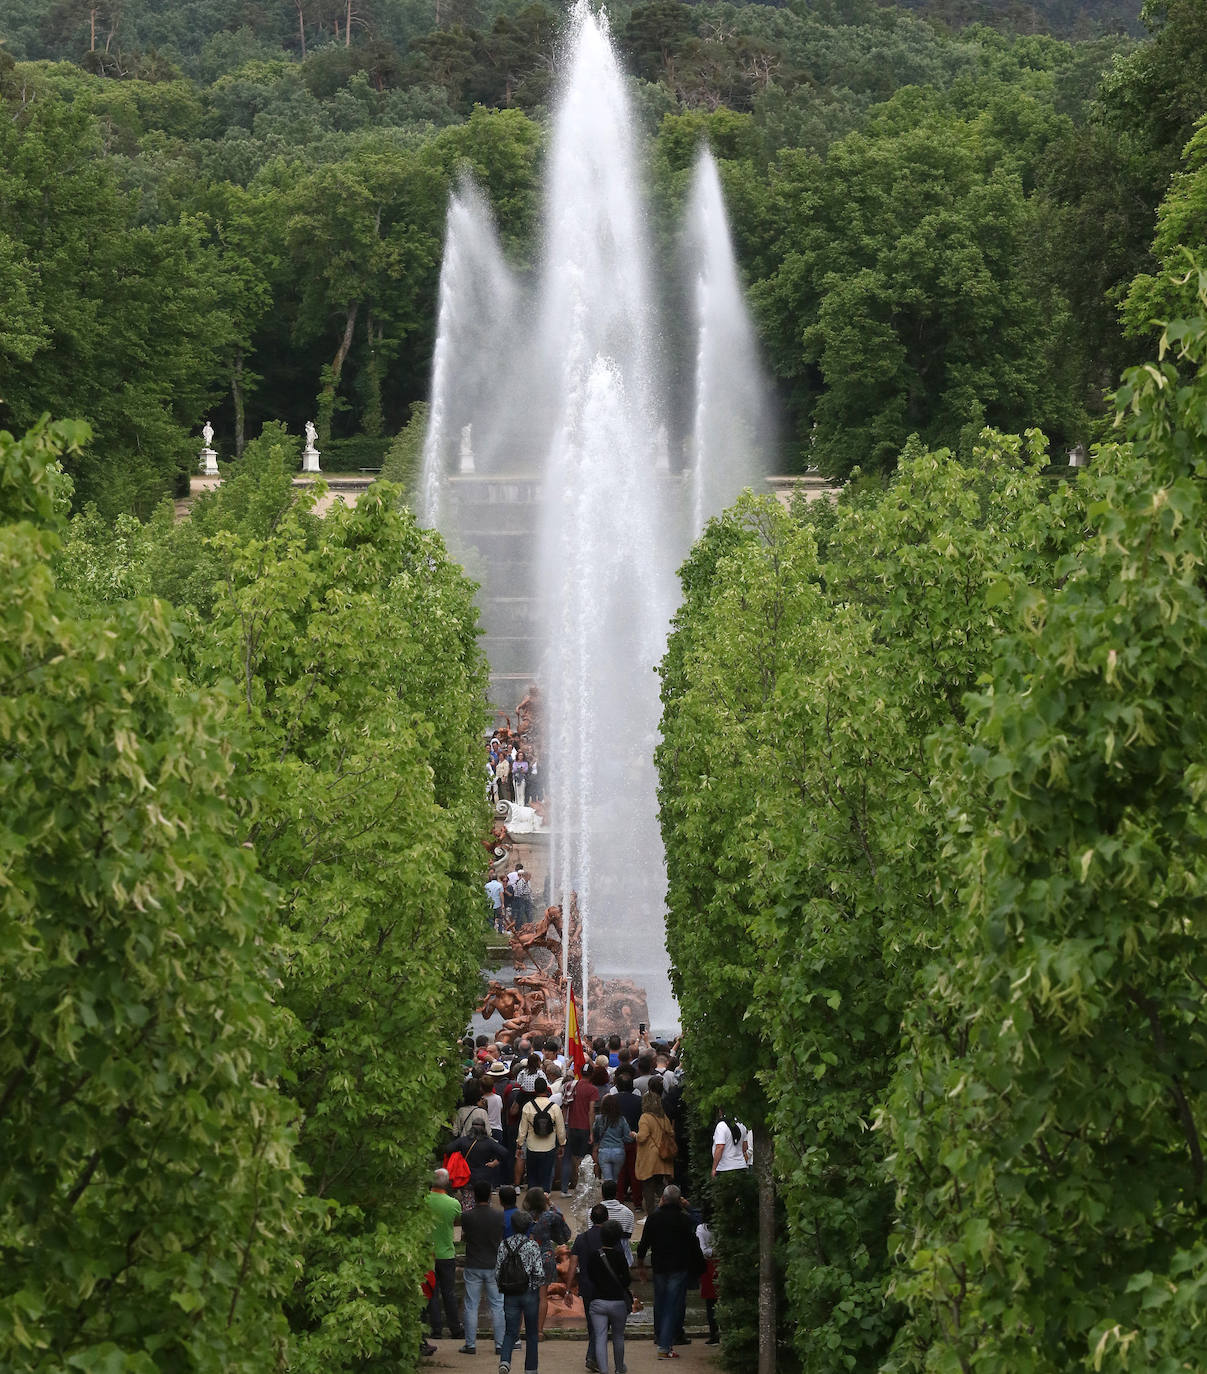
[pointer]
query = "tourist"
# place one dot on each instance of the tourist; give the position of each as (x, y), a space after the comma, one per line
(488, 1161)
(521, 890)
(628, 1185)
(645, 1071)
(525, 1304)
(471, 1108)
(612, 1300)
(671, 1237)
(519, 778)
(492, 1103)
(617, 1211)
(612, 1134)
(507, 1201)
(503, 778)
(541, 1138)
(586, 1244)
(708, 1280)
(549, 1230)
(494, 890)
(445, 1211)
(482, 1232)
(656, 1150)
(730, 1145)
(579, 1112)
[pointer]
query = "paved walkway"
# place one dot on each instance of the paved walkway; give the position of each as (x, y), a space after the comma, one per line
(560, 1356)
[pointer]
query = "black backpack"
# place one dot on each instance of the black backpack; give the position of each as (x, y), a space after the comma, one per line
(542, 1121)
(513, 1276)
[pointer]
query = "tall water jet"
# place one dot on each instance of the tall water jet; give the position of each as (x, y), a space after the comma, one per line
(478, 301)
(552, 431)
(730, 433)
(608, 558)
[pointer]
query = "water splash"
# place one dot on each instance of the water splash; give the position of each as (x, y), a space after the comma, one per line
(566, 384)
(478, 302)
(731, 432)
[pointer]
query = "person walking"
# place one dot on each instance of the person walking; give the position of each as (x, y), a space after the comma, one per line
(671, 1236)
(542, 1136)
(446, 1211)
(628, 1185)
(656, 1150)
(482, 1231)
(586, 1244)
(519, 1262)
(579, 1112)
(494, 890)
(549, 1230)
(612, 1134)
(612, 1300)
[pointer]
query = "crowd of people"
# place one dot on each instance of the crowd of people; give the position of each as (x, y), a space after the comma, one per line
(511, 897)
(524, 1126)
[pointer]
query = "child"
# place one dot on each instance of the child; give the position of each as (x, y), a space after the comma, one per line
(507, 1196)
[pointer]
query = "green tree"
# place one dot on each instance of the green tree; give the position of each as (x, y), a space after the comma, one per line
(1181, 241)
(117, 322)
(903, 296)
(353, 641)
(150, 1215)
(1047, 1119)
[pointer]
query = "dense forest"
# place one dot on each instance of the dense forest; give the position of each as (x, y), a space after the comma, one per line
(235, 208)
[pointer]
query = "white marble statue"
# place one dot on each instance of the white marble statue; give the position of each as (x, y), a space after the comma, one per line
(207, 458)
(310, 454)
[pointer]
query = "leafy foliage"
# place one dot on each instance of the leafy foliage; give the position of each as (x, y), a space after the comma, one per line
(1047, 1124)
(956, 922)
(149, 1212)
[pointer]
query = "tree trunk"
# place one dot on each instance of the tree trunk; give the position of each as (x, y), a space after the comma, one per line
(92, 30)
(237, 397)
(764, 1167)
(298, 4)
(337, 365)
(348, 26)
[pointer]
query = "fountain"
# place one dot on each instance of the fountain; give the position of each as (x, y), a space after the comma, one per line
(580, 495)
(731, 435)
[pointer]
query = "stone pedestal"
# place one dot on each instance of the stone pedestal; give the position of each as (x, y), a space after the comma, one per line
(208, 462)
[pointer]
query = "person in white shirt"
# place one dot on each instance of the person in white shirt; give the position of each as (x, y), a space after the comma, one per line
(494, 890)
(730, 1145)
(617, 1211)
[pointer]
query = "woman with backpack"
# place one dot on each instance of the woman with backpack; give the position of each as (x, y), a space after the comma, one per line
(608, 1271)
(549, 1230)
(520, 1275)
(656, 1151)
(542, 1137)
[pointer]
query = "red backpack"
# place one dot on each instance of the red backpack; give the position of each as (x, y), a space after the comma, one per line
(458, 1169)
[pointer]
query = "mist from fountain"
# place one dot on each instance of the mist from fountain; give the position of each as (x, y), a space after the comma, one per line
(569, 384)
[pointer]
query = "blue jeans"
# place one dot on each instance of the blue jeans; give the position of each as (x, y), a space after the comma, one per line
(528, 1306)
(477, 1280)
(603, 1315)
(611, 1161)
(540, 1168)
(670, 1306)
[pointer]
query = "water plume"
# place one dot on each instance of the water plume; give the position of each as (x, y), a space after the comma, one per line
(558, 400)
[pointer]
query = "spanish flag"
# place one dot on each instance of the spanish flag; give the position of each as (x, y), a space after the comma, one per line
(574, 1039)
